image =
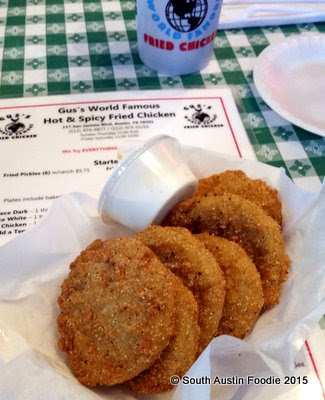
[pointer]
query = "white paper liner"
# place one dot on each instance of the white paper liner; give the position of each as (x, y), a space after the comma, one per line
(34, 264)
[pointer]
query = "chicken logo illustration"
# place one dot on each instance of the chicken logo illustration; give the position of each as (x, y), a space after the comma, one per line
(15, 125)
(201, 115)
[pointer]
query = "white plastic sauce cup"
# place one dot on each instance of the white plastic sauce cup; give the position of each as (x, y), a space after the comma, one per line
(176, 36)
(147, 184)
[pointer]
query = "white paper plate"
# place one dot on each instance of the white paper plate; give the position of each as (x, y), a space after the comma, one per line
(290, 77)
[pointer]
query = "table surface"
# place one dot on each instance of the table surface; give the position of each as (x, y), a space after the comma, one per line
(52, 47)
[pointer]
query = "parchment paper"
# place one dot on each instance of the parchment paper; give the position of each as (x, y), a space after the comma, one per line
(33, 265)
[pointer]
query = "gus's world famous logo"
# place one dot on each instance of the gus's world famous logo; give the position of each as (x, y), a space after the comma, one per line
(184, 25)
(16, 126)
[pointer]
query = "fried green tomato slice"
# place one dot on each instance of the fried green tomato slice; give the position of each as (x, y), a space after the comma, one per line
(237, 182)
(117, 311)
(188, 258)
(181, 352)
(233, 182)
(234, 218)
(244, 294)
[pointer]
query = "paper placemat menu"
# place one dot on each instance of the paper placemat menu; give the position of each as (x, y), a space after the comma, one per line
(55, 145)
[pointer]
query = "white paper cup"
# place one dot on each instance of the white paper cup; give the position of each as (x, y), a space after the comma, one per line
(147, 184)
(176, 36)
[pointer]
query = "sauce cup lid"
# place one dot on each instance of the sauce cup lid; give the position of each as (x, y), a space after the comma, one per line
(147, 184)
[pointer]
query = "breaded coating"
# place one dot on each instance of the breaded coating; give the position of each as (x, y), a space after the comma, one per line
(244, 294)
(178, 357)
(188, 258)
(234, 182)
(180, 215)
(245, 223)
(117, 311)
(237, 182)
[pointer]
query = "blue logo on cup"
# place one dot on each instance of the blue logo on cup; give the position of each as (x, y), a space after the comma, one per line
(184, 19)
(186, 15)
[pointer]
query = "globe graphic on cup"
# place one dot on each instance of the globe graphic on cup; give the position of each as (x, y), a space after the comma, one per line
(186, 15)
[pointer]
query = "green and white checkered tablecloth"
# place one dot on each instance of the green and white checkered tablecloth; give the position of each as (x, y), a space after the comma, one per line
(76, 46)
